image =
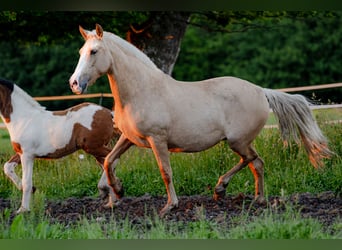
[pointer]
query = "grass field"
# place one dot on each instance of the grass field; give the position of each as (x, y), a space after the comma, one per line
(287, 171)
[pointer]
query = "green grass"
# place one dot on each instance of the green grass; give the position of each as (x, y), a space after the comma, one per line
(287, 171)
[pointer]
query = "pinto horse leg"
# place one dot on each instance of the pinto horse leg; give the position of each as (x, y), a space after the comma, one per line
(9, 170)
(105, 190)
(162, 156)
(248, 155)
(27, 165)
(9, 167)
(111, 160)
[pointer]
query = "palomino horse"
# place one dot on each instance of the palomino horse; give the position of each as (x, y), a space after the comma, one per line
(153, 110)
(38, 133)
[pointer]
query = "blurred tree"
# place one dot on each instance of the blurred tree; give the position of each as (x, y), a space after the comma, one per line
(160, 36)
(39, 49)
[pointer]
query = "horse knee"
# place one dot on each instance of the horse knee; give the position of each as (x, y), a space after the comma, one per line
(10, 173)
(9, 168)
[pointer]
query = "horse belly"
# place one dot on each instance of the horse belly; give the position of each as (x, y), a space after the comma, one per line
(194, 138)
(192, 146)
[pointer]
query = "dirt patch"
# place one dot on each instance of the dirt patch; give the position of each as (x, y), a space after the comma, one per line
(326, 207)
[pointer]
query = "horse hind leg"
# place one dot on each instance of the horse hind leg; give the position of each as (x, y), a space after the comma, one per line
(257, 168)
(248, 155)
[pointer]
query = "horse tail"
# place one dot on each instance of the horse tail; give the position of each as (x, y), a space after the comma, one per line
(296, 120)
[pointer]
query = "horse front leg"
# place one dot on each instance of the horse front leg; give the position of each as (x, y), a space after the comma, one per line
(162, 156)
(9, 170)
(27, 166)
(110, 162)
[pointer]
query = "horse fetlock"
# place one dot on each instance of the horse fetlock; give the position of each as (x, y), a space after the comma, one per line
(103, 192)
(119, 192)
(118, 188)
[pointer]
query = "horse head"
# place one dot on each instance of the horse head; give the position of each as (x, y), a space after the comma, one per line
(93, 61)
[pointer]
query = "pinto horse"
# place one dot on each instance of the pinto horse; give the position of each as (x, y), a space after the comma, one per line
(153, 110)
(38, 133)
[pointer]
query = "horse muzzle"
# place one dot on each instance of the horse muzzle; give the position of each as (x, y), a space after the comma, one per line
(78, 88)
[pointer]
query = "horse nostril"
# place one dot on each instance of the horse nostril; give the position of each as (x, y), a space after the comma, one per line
(74, 83)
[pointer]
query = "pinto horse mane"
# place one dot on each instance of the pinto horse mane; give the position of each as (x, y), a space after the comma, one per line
(6, 83)
(21, 93)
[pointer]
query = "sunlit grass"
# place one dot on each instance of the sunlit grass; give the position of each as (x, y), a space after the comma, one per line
(287, 169)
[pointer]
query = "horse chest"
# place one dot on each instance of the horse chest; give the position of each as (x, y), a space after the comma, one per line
(133, 128)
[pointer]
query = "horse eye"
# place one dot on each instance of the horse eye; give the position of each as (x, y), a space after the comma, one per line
(93, 52)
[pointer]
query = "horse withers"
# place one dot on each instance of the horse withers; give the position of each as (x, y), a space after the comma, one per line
(38, 133)
(155, 111)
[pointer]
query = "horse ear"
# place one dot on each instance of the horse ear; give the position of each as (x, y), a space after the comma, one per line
(83, 32)
(99, 31)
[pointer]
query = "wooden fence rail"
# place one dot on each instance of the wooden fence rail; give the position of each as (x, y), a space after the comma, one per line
(109, 95)
(313, 87)
(100, 95)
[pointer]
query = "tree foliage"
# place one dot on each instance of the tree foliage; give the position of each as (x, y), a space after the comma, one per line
(39, 50)
(274, 52)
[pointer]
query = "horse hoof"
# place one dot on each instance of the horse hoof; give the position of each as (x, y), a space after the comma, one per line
(166, 210)
(22, 210)
(111, 204)
(219, 194)
(260, 200)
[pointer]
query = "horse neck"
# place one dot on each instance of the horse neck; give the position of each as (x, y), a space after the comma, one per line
(128, 68)
(23, 104)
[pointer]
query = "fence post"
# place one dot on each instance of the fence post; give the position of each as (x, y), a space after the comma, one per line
(101, 97)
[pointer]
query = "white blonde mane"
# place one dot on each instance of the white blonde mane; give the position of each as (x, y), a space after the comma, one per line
(129, 48)
(23, 95)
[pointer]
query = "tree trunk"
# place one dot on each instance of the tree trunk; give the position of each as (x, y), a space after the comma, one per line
(160, 37)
